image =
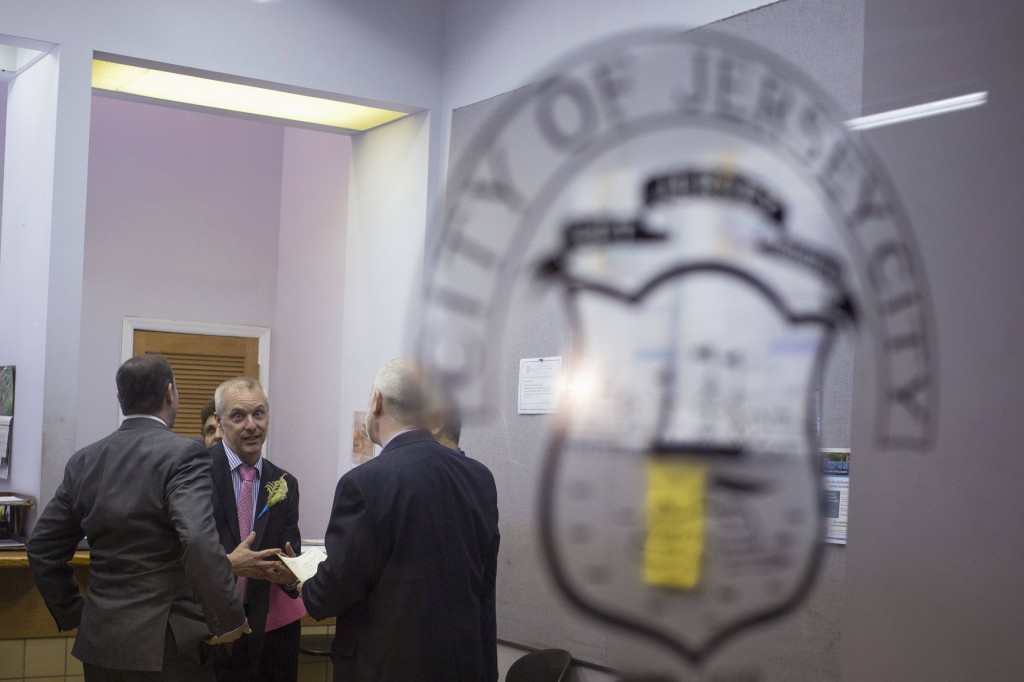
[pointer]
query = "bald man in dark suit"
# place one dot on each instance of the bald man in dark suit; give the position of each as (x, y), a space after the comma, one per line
(412, 551)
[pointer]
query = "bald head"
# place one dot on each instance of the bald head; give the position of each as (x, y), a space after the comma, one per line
(402, 388)
(399, 400)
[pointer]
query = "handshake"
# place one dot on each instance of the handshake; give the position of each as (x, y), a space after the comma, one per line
(263, 564)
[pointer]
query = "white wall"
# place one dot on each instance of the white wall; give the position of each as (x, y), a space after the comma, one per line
(306, 340)
(4, 83)
(936, 549)
(385, 51)
(494, 47)
(24, 258)
(182, 223)
(384, 256)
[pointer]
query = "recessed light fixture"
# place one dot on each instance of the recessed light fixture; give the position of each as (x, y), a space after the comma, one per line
(199, 90)
(942, 106)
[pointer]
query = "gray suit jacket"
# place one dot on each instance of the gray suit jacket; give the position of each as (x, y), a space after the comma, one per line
(142, 495)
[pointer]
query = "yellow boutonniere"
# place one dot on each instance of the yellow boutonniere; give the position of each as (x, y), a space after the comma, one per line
(276, 492)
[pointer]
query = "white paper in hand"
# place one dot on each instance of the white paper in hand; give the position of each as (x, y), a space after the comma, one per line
(304, 566)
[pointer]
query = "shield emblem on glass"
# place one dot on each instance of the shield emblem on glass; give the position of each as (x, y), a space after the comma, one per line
(681, 494)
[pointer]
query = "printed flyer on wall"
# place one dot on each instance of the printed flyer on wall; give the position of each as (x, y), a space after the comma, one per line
(6, 418)
(835, 469)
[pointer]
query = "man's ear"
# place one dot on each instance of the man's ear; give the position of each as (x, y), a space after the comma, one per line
(169, 394)
(435, 423)
(376, 404)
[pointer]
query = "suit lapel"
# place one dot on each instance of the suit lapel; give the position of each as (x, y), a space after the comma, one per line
(269, 473)
(225, 490)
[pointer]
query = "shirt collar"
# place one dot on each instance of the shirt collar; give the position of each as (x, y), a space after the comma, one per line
(397, 435)
(234, 461)
(146, 416)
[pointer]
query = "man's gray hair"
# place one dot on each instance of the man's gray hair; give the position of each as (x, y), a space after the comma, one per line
(247, 383)
(403, 391)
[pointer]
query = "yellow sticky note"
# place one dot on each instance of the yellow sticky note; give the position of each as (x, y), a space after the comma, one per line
(675, 523)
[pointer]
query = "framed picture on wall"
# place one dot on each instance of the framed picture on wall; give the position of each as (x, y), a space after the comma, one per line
(362, 446)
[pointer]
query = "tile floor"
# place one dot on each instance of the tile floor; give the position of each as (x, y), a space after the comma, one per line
(50, 660)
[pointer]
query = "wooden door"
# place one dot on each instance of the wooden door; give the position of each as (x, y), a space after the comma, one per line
(200, 362)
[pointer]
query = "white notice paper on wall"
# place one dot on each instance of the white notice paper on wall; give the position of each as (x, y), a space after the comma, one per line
(5, 433)
(539, 385)
(835, 469)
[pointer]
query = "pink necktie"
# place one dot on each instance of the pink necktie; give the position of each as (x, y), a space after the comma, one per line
(245, 513)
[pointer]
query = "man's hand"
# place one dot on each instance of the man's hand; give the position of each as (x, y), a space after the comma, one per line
(280, 573)
(246, 562)
(229, 637)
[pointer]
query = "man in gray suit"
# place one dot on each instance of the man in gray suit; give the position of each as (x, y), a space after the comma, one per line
(159, 580)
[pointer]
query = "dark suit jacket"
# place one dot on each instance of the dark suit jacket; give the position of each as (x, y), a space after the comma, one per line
(412, 551)
(279, 525)
(142, 495)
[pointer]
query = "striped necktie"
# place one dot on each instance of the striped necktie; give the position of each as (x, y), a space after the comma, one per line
(245, 509)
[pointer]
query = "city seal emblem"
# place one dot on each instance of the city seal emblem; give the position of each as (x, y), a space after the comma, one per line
(709, 229)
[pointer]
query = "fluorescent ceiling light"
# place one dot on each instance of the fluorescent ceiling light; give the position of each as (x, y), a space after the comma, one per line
(942, 106)
(248, 99)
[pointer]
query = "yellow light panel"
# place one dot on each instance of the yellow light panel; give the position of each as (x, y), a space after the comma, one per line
(249, 99)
